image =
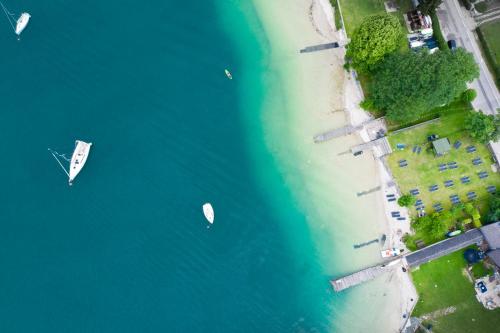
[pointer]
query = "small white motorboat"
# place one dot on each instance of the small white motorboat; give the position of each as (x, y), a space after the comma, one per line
(208, 211)
(228, 74)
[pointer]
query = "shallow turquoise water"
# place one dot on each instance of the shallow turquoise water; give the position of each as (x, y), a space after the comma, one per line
(126, 249)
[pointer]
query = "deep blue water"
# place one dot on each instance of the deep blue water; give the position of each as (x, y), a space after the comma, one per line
(126, 249)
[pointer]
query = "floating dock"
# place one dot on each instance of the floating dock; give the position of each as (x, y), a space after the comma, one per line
(319, 47)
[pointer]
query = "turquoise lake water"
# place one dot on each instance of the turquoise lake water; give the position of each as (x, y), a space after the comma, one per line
(126, 248)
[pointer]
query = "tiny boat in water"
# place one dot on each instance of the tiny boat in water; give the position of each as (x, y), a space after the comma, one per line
(208, 211)
(228, 74)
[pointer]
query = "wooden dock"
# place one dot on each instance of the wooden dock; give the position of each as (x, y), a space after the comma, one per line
(319, 47)
(336, 133)
(362, 276)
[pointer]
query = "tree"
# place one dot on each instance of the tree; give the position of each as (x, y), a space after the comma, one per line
(429, 6)
(494, 209)
(408, 85)
(406, 200)
(438, 228)
(377, 36)
(469, 95)
(481, 127)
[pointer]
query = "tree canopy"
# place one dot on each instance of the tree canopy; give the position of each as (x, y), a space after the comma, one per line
(408, 85)
(429, 6)
(406, 200)
(377, 36)
(494, 209)
(481, 127)
(469, 95)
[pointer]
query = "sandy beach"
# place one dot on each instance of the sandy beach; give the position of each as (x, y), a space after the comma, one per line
(325, 178)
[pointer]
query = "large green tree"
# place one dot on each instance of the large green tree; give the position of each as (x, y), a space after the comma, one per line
(408, 85)
(377, 36)
(481, 127)
(429, 6)
(494, 209)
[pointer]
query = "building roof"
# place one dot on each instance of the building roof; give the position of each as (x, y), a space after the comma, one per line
(491, 233)
(441, 146)
(495, 256)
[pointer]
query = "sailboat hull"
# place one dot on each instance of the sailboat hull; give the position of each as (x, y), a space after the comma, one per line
(78, 159)
(22, 22)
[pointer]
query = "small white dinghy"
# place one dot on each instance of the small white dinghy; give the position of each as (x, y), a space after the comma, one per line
(208, 211)
(228, 74)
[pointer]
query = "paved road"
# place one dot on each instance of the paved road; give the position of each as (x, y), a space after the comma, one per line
(456, 25)
(443, 248)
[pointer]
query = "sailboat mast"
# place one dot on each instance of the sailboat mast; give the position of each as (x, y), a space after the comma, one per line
(62, 166)
(9, 15)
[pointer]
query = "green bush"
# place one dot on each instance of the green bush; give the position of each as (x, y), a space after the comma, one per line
(438, 34)
(481, 7)
(406, 200)
(469, 95)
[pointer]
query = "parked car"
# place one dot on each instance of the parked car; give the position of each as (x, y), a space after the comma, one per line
(482, 287)
(452, 45)
(432, 137)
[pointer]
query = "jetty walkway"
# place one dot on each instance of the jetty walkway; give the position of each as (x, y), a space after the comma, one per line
(412, 259)
(319, 47)
(362, 276)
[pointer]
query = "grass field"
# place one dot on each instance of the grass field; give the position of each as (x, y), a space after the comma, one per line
(489, 36)
(442, 283)
(422, 170)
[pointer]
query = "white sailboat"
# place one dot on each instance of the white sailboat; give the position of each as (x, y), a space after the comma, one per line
(78, 159)
(22, 22)
(228, 74)
(17, 25)
(208, 211)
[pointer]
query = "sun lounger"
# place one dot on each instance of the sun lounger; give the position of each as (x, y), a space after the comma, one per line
(491, 189)
(470, 149)
(419, 150)
(457, 144)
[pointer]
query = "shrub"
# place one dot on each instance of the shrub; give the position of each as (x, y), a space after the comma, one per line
(469, 95)
(406, 200)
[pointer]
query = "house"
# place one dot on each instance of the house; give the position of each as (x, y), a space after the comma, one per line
(441, 146)
(491, 234)
(416, 22)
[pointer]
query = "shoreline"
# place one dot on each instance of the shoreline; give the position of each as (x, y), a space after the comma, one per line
(318, 95)
(395, 230)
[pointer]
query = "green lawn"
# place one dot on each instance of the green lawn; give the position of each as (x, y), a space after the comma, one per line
(491, 33)
(489, 36)
(422, 170)
(442, 283)
(478, 270)
(354, 11)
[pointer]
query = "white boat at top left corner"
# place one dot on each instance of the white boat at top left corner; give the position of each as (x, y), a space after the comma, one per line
(17, 25)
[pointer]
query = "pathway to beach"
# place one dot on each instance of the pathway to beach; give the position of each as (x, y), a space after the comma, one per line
(325, 178)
